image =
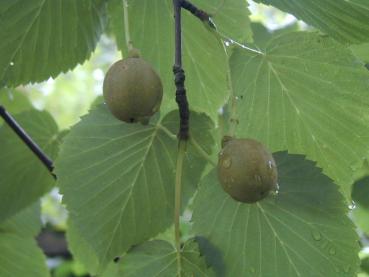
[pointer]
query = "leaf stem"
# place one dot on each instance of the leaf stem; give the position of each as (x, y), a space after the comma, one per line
(201, 151)
(177, 201)
(126, 26)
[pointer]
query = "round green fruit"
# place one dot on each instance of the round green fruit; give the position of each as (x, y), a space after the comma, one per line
(246, 170)
(132, 90)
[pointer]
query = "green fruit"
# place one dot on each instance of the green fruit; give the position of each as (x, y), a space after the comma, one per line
(132, 90)
(246, 170)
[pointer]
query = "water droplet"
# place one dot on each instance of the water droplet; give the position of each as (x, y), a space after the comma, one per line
(252, 270)
(347, 269)
(316, 235)
(227, 162)
(332, 251)
(352, 205)
(11, 63)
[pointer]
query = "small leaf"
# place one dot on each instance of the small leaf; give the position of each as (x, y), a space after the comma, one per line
(345, 20)
(42, 38)
(118, 178)
(23, 178)
(159, 258)
(302, 231)
(21, 257)
(307, 94)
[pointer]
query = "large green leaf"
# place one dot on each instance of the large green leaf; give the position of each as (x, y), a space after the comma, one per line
(159, 258)
(26, 223)
(118, 178)
(230, 16)
(42, 38)
(307, 94)
(23, 178)
(21, 257)
(204, 58)
(345, 20)
(301, 231)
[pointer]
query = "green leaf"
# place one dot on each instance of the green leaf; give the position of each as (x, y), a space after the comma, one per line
(230, 16)
(344, 20)
(118, 178)
(361, 51)
(23, 178)
(14, 101)
(81, 250)
(26, 223)
(159, 258)
(301, 231)
(307, 94)
(204, 57)
(42, 38)
(21, 257)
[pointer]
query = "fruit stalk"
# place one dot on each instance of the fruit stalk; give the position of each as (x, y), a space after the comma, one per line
(126, 26)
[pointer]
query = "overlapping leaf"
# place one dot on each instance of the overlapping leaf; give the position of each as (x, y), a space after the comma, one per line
(159, 258)
(23, 178)
(345, 20)
(118, 178)
(307, 94)
(230, 16)
(42, 38)
(302, 231)
(205, 61)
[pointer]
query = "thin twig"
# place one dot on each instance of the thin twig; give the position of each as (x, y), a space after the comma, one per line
(200, 14)
(32, 145)
(181, 98)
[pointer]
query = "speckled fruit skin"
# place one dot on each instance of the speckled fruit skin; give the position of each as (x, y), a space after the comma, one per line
(132, 90)
(246, 170)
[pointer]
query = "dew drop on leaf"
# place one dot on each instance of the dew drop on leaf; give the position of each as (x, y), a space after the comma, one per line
(332, 251)
(316, 235)
(352, 205)
(252, 270)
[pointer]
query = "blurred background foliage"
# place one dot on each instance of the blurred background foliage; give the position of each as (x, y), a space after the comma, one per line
(71, 94)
